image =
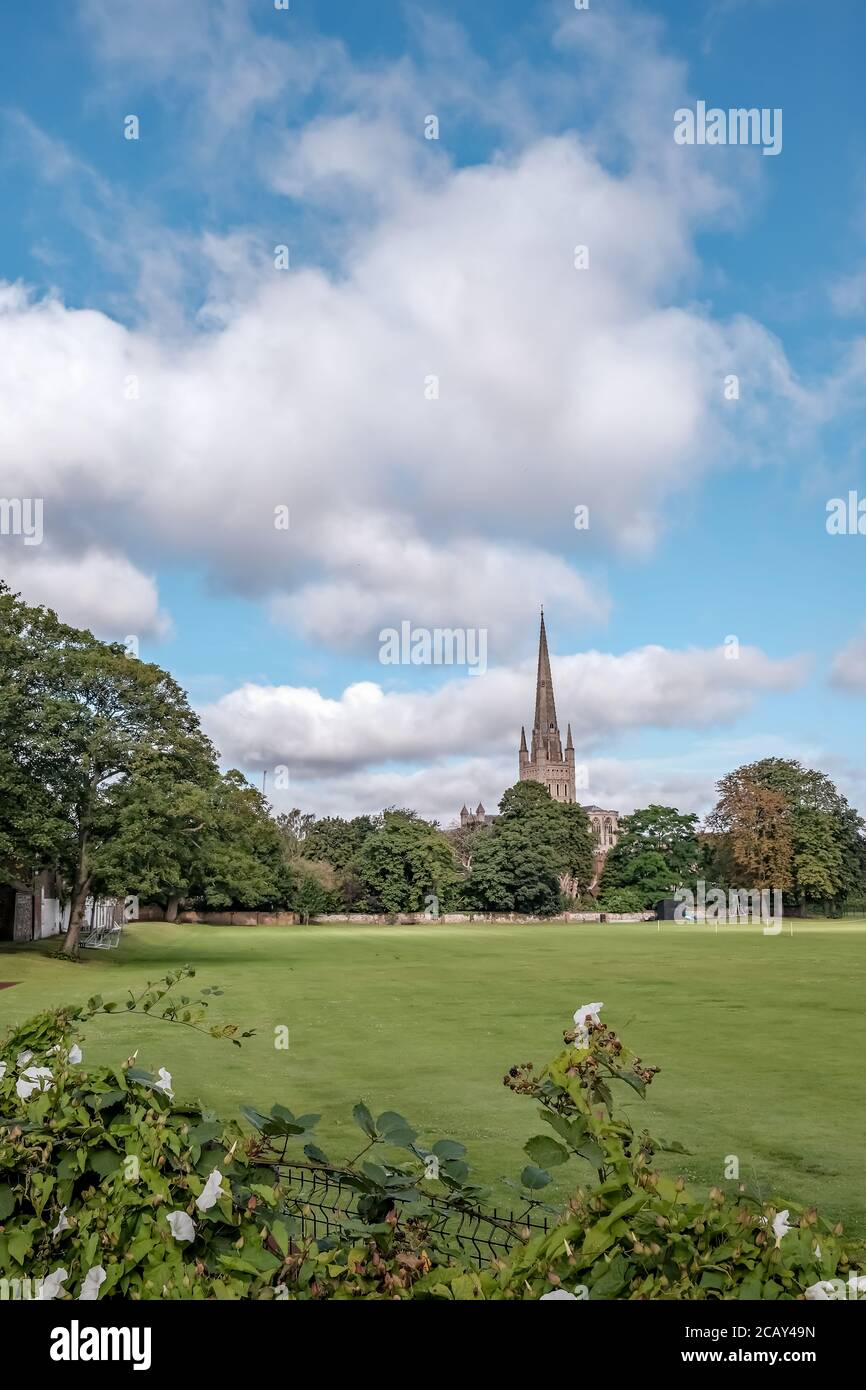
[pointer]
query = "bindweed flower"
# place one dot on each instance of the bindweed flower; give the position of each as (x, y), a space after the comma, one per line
(33, 1079)
(559, 1293)
(52, 1285)
(781, 1225)
(2, 1070)
(212, 1191)
(75, 1054)
(164, 1083)
(23, 1058)
(182, 1227)
(586, 1013)
(827, 1288)
(93, 1281)
(62, 1224)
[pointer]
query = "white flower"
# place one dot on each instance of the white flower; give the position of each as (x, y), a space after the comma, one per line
(824, 1290)
(558, 1293)
(2, 1070)
(586, 1012)
(93, 1280)
(22, 1059)
(211, 1192)
(181, 1224)
(781, 1225)
(164, 1083)
(75, 1054)
(52, 1285)
(63, 1224)
(33, 1079)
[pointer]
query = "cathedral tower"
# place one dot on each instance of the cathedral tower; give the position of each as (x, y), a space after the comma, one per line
(545, 763)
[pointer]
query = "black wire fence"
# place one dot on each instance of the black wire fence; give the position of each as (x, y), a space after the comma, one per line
(325, 1206)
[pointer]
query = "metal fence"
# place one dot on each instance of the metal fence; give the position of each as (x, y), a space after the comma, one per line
(324, 1204)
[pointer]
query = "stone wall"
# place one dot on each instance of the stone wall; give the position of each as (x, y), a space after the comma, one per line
(400, 919)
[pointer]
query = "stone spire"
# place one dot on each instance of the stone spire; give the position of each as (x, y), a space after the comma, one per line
(546, 742)
(545, 707)
(545, 764)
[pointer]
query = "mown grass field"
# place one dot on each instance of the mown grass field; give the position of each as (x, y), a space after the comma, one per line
(761, 1040)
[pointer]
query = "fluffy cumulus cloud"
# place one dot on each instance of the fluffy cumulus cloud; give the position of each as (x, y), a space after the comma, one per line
(302, 730)
(96, 589)
(433, 404)
(848, 670)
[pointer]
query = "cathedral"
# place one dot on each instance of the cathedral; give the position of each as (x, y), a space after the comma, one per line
(543, 761)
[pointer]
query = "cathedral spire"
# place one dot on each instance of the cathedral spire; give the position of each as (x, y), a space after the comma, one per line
(545, 707)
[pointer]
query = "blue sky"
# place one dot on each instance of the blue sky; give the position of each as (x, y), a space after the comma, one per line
(153, 261)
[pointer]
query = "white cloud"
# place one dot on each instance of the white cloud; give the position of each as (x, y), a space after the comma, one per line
(97, 589)
(848, 294)
(601, 695)
(848, 670)
(556, 388)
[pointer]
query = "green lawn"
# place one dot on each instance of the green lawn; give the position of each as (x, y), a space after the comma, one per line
(761, 1040)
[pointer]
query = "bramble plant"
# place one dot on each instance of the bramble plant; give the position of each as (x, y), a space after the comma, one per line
(109, 1187)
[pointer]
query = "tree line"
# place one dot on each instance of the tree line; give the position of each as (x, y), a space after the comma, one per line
(107, 780)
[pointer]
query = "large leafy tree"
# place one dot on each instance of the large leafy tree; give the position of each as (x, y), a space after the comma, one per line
(538, 848)
(406, 861)
(214, 842)
(80, 722)
(339, 841)
(242, 860)
(658, 851)
(786, 826)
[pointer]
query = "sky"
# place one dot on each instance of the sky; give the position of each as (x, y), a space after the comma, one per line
(319, 320)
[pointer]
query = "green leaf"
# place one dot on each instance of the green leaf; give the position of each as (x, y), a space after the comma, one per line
(632, 1079)
(376, 1173)
(7, 1201)
(545, 1152)
(104, 1162)
(280, 1233)
(255, 1117)
(448, 1148)
(534, 1178)
(364, 1120)
(395, 1130)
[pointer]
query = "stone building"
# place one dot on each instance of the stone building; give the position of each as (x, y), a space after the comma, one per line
(543, 760)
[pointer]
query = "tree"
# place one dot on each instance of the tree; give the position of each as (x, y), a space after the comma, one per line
(537, 847)
(314, 885)
(405, 862)
(788, 827)
(337, 841)
(78, 720)
(294, 826)
(578, 851)
(658, 851)
(242, 858)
